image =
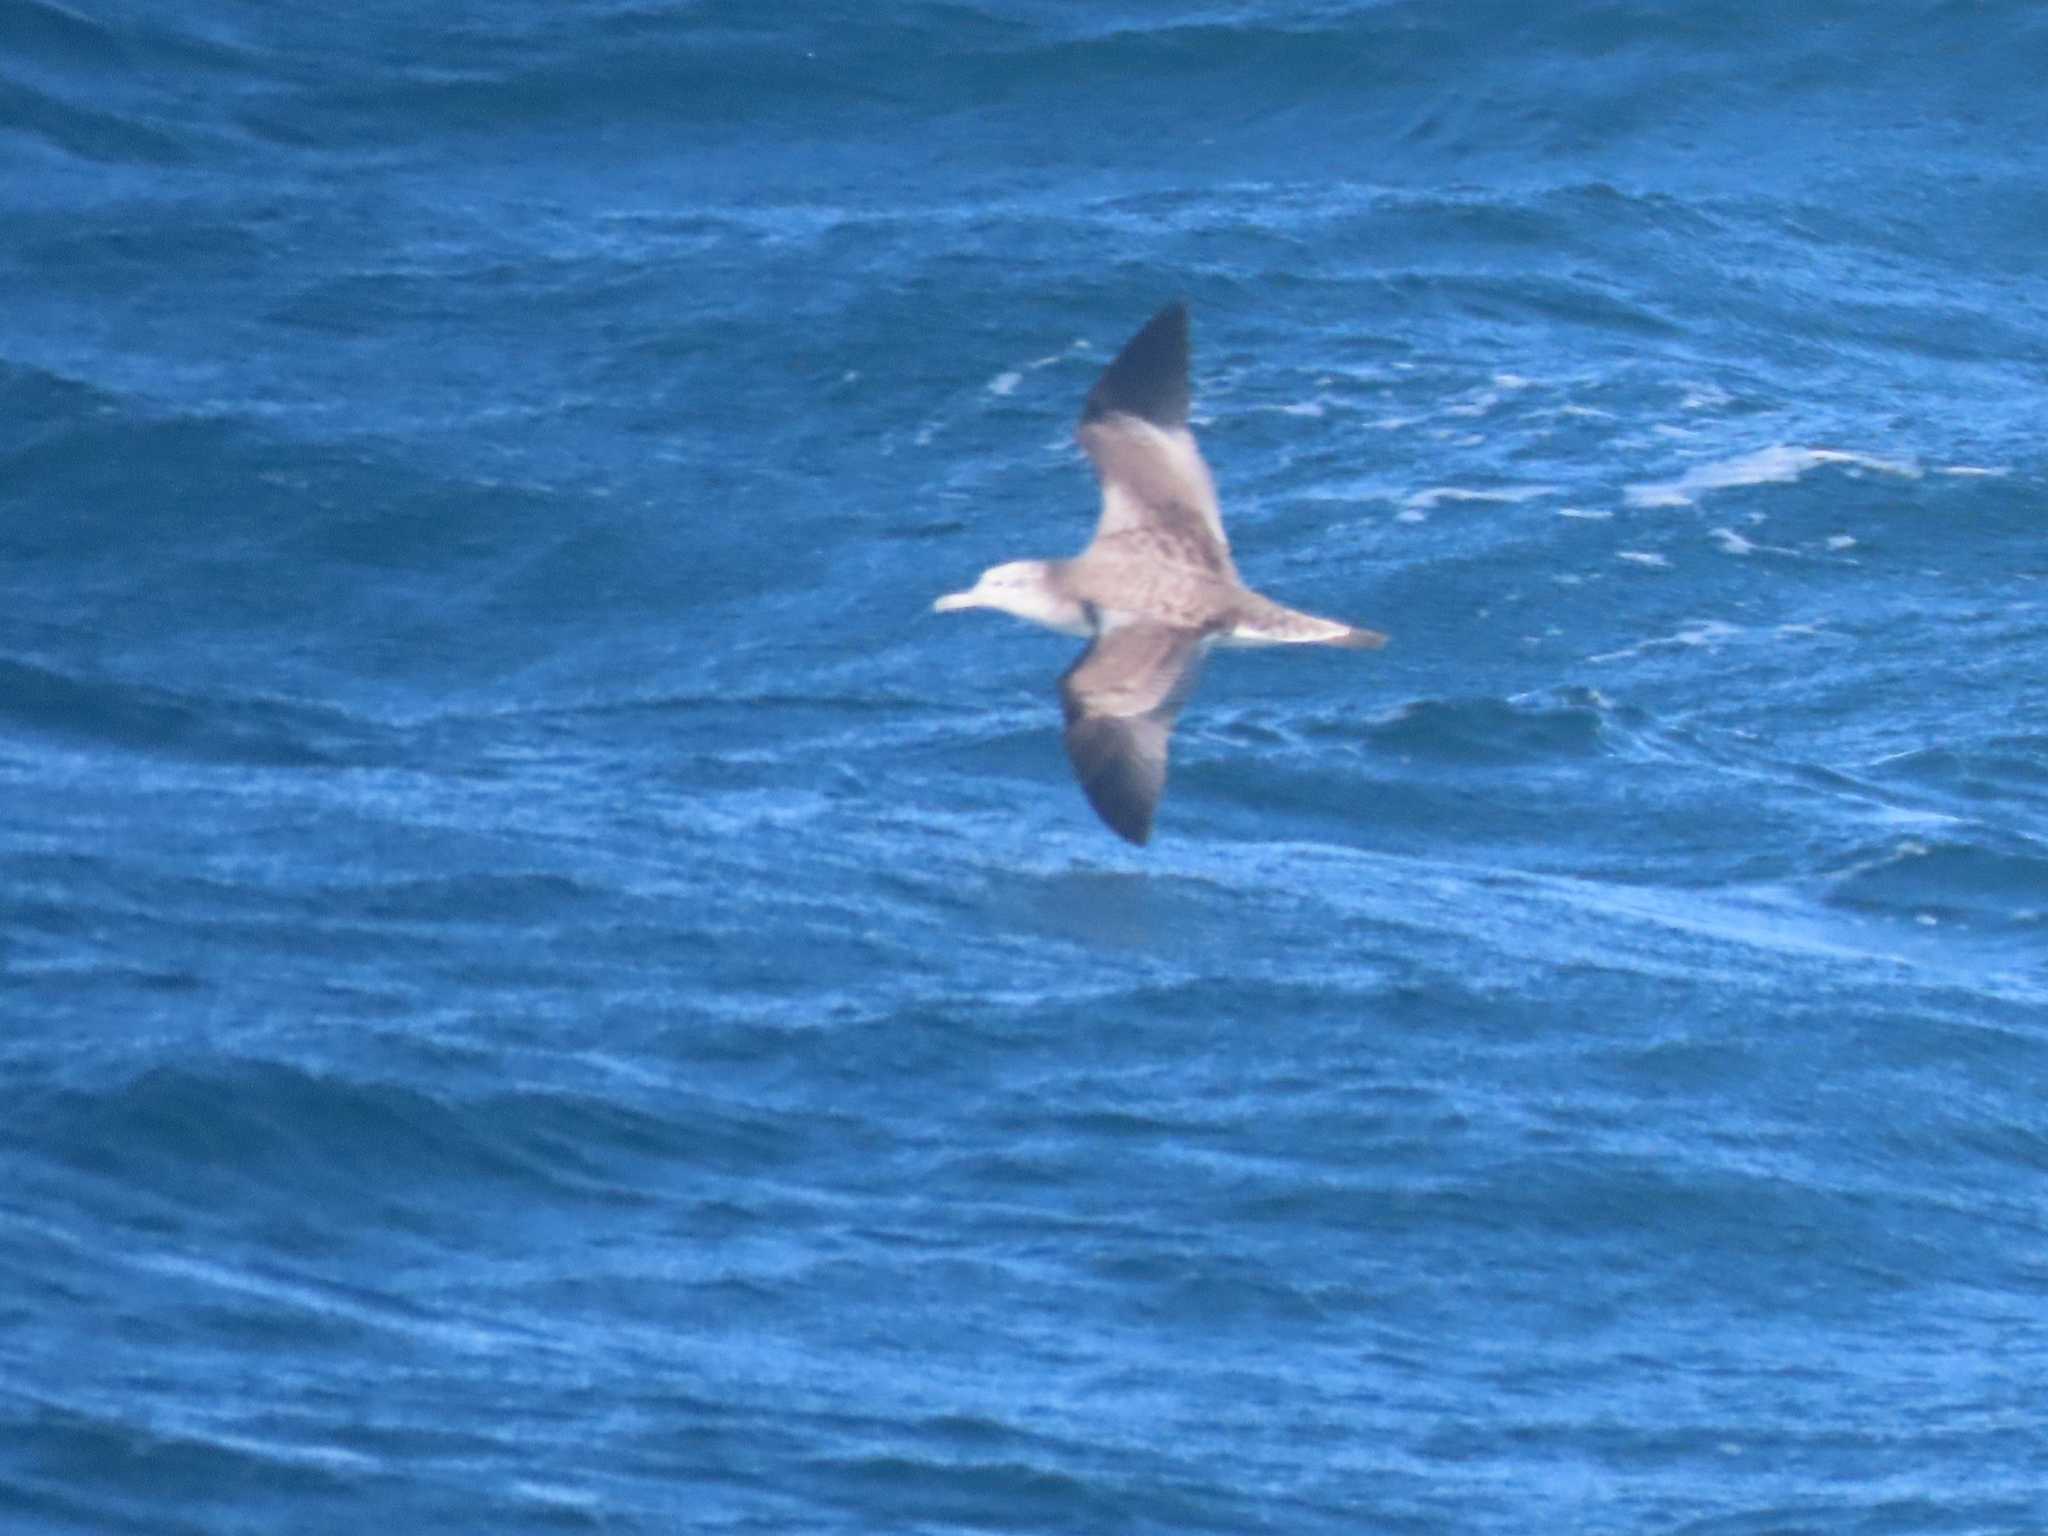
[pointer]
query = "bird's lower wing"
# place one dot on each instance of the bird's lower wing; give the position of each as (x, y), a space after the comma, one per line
(1120, 699)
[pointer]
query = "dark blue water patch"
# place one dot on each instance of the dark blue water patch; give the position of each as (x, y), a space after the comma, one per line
(1532, 774)
(1031, 1497)
(42, 406)
(1482, 731)
(80, 445)
(52, 36)
(120, 39)
(147, 1481)
(1997, 770)
(197, 546)
(176, 1131)
(1392, 87)
(290, 1181)
(38, 702)
(1983, 880)
(1932, 1511)
(544, 992)
(1389, 77)
(145, 261)
(81, 131)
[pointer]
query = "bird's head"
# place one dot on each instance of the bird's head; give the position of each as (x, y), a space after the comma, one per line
(1025, 588)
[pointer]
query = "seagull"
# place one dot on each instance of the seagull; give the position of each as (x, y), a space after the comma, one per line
(1153, 592)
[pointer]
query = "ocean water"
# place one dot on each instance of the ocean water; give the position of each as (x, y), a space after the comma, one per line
(541, 989)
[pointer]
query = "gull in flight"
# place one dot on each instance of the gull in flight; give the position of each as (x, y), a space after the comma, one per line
(1154, 591)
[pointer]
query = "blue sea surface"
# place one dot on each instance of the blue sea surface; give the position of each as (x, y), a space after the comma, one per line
(542, 989)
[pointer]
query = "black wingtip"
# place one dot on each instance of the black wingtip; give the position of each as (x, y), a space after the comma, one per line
(1134, 827)
(1149, 378)
(1130, 822)
(1121, 784)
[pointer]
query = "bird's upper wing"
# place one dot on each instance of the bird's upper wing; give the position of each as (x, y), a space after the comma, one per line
(1134, 426)
(1120, 700)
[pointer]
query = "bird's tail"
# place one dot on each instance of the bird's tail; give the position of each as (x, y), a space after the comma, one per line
(1275, 625)
(1356, 639)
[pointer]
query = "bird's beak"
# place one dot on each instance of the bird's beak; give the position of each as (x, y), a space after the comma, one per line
(953, 600)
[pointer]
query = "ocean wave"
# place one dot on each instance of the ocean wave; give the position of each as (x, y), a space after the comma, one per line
(103, 1462)
(1032, 1496)
(1778, 464)
(1433, 83)
(107, 91)
(262, 1124)
(261, 1129)
(154, 721)
(85, 131)
(1976, 882)
(257, 1128)
(1495, 731)
(543, 991)
(1996, 770)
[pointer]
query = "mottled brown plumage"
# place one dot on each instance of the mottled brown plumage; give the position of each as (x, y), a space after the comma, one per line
(1155, 588)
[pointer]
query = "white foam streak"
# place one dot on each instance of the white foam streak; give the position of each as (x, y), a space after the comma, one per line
(1423, 501)
(1733, 543)
(1776, 465)
(1699, 632)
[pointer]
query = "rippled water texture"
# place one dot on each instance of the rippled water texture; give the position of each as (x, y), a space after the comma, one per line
(544, 990)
